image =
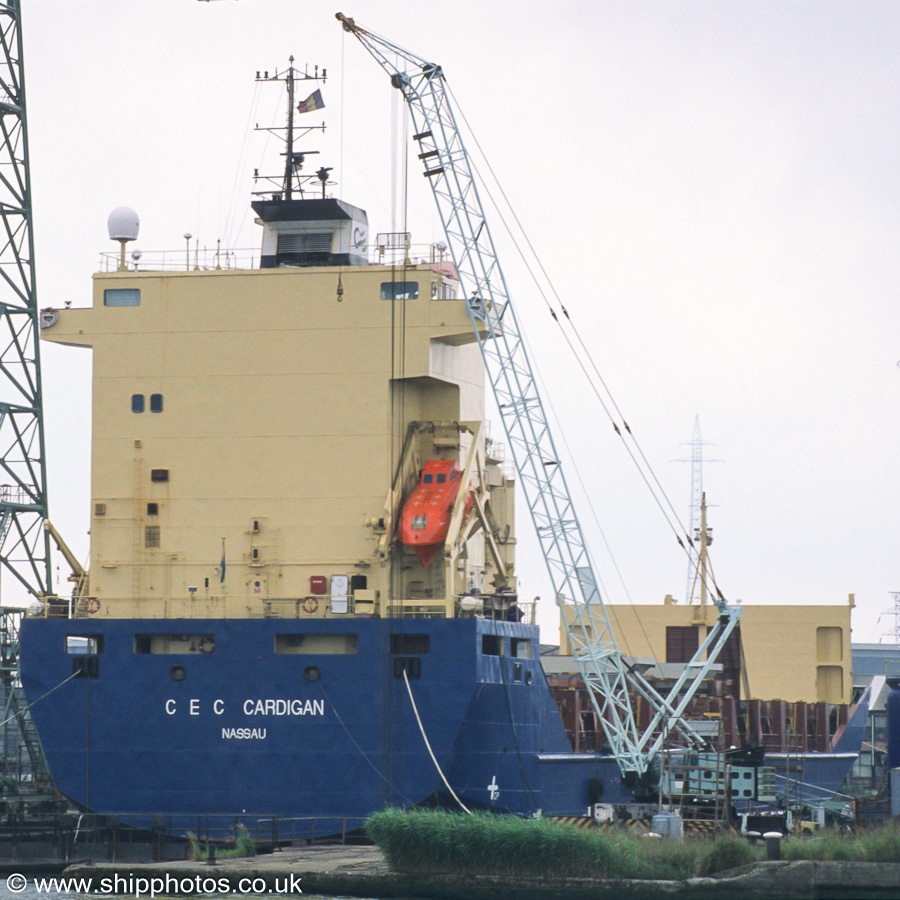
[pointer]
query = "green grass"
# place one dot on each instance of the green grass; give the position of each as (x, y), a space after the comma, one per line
(243, 846)
(432, 841)
(728, 852)
(877, 845)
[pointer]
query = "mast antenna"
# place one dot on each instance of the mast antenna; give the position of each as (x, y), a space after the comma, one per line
(291, 180)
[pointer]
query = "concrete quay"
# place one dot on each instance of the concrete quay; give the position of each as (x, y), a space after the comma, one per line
(360, 871)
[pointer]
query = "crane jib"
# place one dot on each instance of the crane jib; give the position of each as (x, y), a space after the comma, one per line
(584, 615)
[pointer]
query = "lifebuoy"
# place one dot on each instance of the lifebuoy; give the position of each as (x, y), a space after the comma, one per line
(310, 604)
(207, 645)
(91, 605)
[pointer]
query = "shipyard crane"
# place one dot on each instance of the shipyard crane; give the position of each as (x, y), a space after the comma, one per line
(605, 672)
(24, 540)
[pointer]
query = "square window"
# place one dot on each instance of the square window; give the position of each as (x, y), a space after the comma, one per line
(152, 509)
(137, 403)
(156, 403)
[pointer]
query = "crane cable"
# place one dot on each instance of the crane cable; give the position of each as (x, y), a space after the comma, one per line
(641, 463)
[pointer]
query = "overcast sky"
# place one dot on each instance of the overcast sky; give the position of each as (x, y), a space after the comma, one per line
(711, 186)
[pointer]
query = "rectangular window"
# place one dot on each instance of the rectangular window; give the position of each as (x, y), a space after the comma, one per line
(156, 403)
(137, 403)
(169, 644)
(410, 644)
(316, 643)
(399, 290)
(152, 509)
(84, 644)
(99, 509)
(122, 297)
(520, 648)
(492, 645)
(151, 535)
(159, 474)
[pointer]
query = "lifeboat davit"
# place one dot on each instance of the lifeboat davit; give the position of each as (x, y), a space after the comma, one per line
(425, 518)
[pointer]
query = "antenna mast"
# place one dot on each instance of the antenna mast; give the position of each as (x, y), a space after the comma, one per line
(291, 180)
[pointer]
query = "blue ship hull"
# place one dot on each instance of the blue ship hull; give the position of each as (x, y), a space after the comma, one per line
(243, 730)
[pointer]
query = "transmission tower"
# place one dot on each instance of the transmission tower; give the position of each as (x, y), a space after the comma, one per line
(697, 461)
(24, 543)
(895, 631)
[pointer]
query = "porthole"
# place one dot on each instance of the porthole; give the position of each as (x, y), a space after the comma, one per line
(178, 673)
(312, 673)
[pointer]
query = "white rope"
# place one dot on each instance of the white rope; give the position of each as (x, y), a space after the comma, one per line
(428, 747)
(17, 714)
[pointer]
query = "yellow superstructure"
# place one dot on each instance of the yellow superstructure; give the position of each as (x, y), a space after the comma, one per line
(254, 433)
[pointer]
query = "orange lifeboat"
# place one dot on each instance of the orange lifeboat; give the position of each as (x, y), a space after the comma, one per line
(425, 518)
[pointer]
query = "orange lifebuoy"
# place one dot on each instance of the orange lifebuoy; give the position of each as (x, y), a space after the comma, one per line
(91, 605)
(310, 604)
(206, 645)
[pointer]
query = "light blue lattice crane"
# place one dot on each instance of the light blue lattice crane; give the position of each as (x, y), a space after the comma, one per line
(606, 676)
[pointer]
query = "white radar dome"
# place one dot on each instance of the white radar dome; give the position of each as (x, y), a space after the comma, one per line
(123, 224)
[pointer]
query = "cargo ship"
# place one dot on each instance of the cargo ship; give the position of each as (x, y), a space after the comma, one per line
(302, 597)
(254, 636)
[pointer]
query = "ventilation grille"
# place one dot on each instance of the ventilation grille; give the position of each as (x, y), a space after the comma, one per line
(305, 242)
